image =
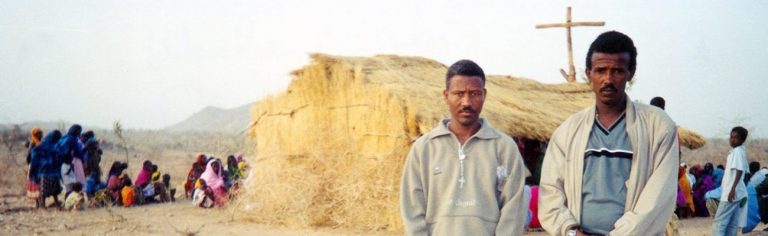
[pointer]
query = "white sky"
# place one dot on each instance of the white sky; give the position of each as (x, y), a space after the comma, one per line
(153, 63)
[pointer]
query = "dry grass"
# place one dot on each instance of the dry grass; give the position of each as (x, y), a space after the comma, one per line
(717, 150)
(329, 151)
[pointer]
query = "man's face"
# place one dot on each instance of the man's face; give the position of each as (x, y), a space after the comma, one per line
(465, 96)
(735, 140)
(609, 76)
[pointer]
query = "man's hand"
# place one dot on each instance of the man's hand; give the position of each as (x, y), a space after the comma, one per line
(581, 233)
(732, 196)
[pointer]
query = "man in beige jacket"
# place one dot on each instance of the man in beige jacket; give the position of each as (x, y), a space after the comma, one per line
(464, 177)
(610, 169)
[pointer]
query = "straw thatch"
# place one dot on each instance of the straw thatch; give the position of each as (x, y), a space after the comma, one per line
(330, 149)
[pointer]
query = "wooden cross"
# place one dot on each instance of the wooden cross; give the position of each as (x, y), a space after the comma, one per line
(571, 75)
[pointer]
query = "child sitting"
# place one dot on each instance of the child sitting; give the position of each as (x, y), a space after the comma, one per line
(75, 200)
(203, 196)
(128, 193)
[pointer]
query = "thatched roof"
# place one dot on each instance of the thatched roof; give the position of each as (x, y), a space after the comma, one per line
(517, 106)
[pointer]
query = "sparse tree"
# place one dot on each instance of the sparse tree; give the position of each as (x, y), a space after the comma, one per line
(11, 139)
(117, 128)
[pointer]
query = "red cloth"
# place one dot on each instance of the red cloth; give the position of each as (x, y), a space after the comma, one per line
(534, 207)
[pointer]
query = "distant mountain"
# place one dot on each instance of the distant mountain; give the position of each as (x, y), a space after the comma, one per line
(44, 125)
(214, 119)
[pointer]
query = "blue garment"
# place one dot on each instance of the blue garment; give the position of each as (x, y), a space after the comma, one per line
(726, 219)
(45, 162)
(753, 210)
(93, 185)
(714, 194)
(69, 146)
(717, 177)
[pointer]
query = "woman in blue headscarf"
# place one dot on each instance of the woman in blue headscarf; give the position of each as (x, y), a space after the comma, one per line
(46, 167)
(70, 150)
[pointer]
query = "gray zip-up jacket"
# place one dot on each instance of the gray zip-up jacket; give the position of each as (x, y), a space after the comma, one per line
(440, 195)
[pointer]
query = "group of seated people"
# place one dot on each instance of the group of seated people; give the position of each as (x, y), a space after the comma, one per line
(150, 186)
(209, 184)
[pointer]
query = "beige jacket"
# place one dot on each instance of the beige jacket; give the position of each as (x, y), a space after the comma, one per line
(490, 201)
(652, 183)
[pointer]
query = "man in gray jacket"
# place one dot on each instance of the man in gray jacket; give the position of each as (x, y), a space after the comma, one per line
(464, 177)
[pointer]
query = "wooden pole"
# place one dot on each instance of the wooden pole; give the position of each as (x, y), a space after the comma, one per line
(571, 69)
(571, 75)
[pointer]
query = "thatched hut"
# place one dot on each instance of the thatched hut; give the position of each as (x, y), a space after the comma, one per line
(329, 151)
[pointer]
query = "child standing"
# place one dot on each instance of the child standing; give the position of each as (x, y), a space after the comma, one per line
(734, 195)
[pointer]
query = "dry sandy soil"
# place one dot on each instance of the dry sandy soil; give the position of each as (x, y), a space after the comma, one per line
(17, 217)
(181, 218)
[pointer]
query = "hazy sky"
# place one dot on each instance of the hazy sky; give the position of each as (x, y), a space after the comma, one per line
(153, 63)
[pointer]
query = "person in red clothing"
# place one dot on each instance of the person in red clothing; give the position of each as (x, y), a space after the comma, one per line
(534, 207)
(194, 174)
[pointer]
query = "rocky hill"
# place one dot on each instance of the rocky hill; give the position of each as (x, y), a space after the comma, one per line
(214, 119)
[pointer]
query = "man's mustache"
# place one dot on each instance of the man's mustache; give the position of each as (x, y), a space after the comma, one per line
(467, 109)
(608, 88)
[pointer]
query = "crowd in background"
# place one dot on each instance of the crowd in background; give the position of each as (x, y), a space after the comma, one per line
(69, 164)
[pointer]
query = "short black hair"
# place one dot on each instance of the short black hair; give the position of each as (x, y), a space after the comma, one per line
(741, 131)
(77, 187)
(466, 68)
(658, 102)
(754, 166)
(613, 42)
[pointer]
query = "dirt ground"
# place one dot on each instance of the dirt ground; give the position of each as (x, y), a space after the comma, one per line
(17, 217)
(179, 218)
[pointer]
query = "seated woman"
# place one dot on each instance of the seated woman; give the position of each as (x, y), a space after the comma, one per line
(115, 181)
(194, 174)
(214, 179)
(143, 180)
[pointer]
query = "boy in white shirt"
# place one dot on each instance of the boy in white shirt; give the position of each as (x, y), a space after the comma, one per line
(734, 196)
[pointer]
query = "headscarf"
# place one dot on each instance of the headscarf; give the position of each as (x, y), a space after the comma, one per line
(144, 174)
(49, 141)
(697, 171)
(212, 178)
(43, 161)
(117, 168)
(156, 177)
(234, 171)
(87, 135)
(71, 144)
(36, 135)
(708, 168)
(75, 130)
(201, 159)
